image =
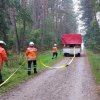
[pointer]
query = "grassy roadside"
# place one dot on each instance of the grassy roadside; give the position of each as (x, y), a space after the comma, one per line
(21, 75)
(95, 62)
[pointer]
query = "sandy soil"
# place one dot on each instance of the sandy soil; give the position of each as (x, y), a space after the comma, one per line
(74, 82)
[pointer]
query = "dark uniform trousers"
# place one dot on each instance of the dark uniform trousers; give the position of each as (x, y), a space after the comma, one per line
(0, 77)
(54, 54)
(29, 66)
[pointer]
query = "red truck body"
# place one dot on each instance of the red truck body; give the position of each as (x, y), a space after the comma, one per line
(71, 39)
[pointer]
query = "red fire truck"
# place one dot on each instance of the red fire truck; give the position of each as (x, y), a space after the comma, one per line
(70, 41)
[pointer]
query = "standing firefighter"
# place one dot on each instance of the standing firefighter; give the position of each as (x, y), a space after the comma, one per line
(3, 57)
(31, 54)
(54, 50)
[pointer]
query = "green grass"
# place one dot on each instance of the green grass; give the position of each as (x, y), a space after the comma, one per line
(21, 75)
(95, 62)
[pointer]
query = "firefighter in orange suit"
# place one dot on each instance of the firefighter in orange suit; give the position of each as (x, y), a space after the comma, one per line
(3, 57)
(54, 50)
(31, 54)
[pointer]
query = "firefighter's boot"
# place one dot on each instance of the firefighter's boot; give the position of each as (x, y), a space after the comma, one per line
(35, 71)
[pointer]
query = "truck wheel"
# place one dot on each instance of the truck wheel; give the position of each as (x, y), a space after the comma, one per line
(66, 54)
(78, 55)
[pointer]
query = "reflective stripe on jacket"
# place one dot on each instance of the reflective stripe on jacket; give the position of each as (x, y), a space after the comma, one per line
(55, 49)
(31, 53)
(3, 56)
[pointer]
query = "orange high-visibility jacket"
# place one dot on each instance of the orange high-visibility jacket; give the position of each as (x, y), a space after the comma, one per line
(3, 56)
(31, 53)
(54, 49)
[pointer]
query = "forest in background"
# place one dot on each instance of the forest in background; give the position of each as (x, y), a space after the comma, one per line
(40, 21)
(89, 9)
(43, 22)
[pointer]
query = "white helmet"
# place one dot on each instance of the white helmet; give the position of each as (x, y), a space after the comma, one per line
(2, 42)
(55, 44)
(31, 44)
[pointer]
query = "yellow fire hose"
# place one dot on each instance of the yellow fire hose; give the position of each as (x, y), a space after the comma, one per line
(59, 66)
(42, 64)
(12, 74)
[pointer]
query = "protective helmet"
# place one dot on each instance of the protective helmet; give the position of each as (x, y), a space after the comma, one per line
(2, 42)
(55, 44)
(31, 44)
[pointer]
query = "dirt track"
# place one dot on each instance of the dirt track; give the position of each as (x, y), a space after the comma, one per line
(72, 83)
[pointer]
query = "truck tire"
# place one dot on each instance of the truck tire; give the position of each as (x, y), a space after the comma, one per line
(78, 54)
(66, 54)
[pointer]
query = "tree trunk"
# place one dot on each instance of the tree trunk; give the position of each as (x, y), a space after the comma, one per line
(5, 36)
(16, 33)
(23, 40)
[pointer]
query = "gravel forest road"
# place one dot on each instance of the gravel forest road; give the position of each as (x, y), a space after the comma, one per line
(74, 82)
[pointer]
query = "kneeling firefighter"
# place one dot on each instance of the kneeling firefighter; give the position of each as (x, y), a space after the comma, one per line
(31, 54)
(3, 57)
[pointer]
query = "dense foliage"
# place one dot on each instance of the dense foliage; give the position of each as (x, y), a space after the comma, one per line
(92, 37)
(42, 22)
